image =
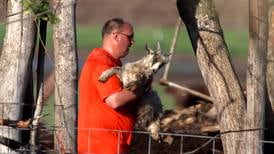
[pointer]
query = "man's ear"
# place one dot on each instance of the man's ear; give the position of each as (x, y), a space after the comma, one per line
(115, 36)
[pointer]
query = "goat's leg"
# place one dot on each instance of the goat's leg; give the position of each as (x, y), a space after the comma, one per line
(154, 129)
(110, 72)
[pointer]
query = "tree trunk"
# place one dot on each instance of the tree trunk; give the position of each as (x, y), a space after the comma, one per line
(14, 62)
(270, 59)
(213, 59)
(269, 116)
(66, 72)
(256, 70)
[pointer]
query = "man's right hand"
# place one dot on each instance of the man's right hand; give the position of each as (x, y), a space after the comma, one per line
(141, 87)
(138, 89)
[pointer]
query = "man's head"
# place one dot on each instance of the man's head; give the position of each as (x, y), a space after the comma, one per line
(117, 37)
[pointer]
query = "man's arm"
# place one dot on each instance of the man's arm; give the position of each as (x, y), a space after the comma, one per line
(126, 96)
(120, 98)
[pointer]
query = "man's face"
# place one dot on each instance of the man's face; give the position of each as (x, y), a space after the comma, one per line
(125, 35)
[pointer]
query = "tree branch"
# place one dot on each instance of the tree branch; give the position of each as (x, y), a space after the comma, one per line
(191, 91)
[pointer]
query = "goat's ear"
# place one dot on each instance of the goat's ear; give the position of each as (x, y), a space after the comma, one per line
(149, 51)
(159, 51)
(146, 47)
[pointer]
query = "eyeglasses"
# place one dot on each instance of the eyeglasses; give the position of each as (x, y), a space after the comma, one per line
(130, 37)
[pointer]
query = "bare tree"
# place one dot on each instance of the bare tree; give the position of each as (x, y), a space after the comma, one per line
(256, 75)
(66, 72)
(270, 57)
(15, 60)
(236, 115)
(269, 116)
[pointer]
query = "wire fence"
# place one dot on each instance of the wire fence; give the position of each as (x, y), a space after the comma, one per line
(139, 139)
(141, 143)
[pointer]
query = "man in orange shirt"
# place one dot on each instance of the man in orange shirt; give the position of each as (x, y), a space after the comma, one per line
(105, 108)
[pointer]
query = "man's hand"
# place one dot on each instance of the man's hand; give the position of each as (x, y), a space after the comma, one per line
(138, 89)
(142, 87)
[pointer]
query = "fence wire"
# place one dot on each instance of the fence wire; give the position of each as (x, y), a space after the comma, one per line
(149, 150)
(207, 144)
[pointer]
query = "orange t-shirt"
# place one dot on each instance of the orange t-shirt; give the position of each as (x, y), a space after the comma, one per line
(97, 122)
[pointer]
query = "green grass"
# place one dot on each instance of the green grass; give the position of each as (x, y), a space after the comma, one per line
(237, 42)
(167, 100)
(89, 37)
(2, 33)
(48, 111)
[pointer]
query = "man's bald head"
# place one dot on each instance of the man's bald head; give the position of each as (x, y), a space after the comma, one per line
(112, 25)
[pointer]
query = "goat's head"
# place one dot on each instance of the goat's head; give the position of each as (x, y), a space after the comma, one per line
(155, 60)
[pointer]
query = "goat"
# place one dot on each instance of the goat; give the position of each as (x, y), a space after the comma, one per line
(149, 110)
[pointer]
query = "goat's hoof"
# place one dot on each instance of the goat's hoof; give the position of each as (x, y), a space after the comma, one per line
(102, 79)
(155, 136)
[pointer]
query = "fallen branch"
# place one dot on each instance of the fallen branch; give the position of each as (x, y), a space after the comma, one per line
(165, 82)
(188, 111)
(211, 128)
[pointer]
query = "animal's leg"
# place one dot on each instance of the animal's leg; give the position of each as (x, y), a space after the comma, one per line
(154, 129)
(110, 72)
